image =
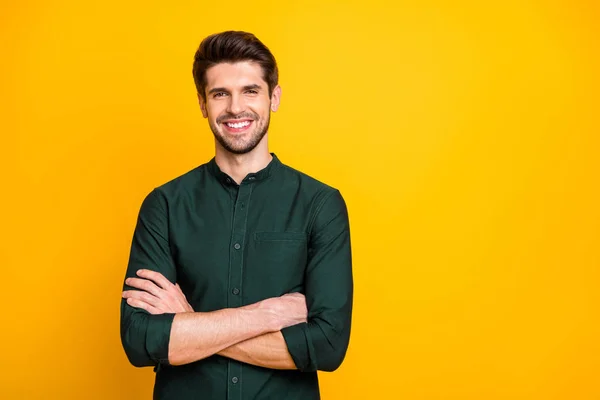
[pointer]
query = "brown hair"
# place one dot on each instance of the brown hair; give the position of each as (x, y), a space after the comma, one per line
(230, 47)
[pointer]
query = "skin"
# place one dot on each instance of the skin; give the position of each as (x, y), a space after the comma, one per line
(238, 92)
(234, 93)
(249, 334)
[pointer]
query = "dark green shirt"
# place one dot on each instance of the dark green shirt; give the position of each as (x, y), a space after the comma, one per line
(230, 245)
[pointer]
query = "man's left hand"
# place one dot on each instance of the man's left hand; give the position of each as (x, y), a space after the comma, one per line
(157, 294)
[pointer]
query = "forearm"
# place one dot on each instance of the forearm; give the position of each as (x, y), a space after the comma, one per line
(195, 336)
(268, 351)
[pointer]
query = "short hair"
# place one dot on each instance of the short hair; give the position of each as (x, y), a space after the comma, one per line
(231, 47)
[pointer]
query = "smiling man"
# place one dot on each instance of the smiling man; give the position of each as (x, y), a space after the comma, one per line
(239, 283)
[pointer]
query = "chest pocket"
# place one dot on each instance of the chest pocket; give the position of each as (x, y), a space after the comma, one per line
(277, 262)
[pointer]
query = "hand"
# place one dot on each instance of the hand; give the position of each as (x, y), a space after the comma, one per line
(157, 295)
(287, 310)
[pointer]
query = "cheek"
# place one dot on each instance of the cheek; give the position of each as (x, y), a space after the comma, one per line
(262, 108)
(214, 113)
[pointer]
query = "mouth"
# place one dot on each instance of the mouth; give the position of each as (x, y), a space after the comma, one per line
(238, 126)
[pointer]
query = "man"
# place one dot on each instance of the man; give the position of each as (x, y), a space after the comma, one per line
(239, 283)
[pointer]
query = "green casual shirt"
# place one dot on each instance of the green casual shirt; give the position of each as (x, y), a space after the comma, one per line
(230, 245)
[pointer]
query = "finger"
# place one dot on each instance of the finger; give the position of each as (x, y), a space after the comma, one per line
(156, 277)
(179, 296)
(144, 284)
(142, 296)
(145, 306)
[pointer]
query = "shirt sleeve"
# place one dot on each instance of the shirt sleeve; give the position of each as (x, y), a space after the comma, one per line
(145, 337)
(321, 343)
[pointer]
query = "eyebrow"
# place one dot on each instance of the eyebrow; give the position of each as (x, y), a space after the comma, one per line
(253, 86)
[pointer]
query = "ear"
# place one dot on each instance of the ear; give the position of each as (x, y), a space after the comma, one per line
(202, 106)
(276, 98)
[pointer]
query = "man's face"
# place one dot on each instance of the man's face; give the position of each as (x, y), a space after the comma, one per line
(238, 105)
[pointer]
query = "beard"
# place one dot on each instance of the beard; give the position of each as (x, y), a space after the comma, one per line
(240, 145)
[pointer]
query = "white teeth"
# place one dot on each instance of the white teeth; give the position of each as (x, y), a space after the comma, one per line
(238, 125)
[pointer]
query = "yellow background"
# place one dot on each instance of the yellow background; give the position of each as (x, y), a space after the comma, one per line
(463, 135)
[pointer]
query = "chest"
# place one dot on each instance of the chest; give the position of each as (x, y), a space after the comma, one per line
(240, 249)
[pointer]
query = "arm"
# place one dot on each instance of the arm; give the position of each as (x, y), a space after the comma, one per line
(195, 336)
(330, 262)
(145, 336)
(321, 343)
(156, 323)
(250, 333)
(268, 351)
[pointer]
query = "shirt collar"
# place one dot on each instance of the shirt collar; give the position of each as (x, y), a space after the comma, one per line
(252, 177)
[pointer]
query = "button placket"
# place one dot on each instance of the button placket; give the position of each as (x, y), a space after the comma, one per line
(236, 264)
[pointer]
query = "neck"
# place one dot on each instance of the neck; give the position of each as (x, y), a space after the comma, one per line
(237, 166)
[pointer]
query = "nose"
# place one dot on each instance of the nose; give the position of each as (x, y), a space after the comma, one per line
(236, 104)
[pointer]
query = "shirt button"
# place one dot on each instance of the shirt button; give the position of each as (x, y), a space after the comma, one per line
(237, 246)
(234, 379)
(235, 291)
(228, 180)
(252, 178)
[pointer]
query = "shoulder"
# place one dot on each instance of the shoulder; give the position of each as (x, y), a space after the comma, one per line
(308, 184)
(325, 200)
(180, 186)
(184, 183)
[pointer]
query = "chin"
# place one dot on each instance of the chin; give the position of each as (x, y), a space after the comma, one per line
(232, 143)
(236, 149)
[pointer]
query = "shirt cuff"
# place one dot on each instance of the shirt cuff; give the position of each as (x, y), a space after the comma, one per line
(297, 339)
(157, 337)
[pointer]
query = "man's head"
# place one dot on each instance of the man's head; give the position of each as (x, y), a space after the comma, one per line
(236, 79)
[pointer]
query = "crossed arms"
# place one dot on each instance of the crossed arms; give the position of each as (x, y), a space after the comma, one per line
(250, 334)
(290, 332)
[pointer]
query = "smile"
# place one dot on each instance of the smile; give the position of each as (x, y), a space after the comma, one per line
(238, 125)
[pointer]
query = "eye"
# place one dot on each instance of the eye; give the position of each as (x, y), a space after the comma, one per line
(252, 91)
(219, 94)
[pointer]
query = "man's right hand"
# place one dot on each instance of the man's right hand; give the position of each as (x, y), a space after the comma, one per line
(287, 310)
